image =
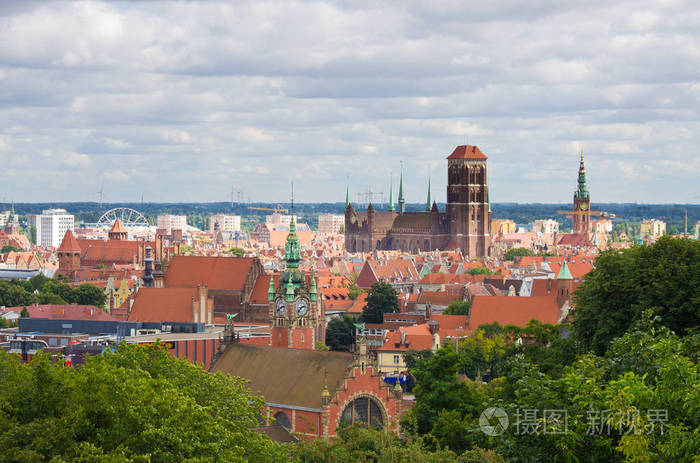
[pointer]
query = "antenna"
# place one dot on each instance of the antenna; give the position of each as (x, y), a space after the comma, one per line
(292, 201)
(101, 192)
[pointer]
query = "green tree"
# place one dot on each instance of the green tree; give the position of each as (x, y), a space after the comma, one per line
(89, 294)
(24, 313)
(138, 404)
(381, 299)
(8, 248)
(514, 252)
(37, 282)
(664, 277)
(339, 333)
(458, 308)
(479, 271)
(238, 252)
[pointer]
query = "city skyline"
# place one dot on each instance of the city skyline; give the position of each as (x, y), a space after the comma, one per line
(183, 101)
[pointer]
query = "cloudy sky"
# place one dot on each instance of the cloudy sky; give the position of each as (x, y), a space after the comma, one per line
(185, 100)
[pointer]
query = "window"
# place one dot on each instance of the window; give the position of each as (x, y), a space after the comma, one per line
(396, 359)
(282, 420)
(363, 410)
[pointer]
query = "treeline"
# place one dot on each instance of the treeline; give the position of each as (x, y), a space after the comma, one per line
(198, 213)
(43, 290)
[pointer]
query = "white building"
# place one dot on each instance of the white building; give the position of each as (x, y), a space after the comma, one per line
(330, 223)
(51, 225)
(226, 223)
(4, 217)
(652, 228)
(280, 219)
(545, 226)
(172, 222)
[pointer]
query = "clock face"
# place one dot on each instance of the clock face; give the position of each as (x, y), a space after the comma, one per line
(302, 307)
(353, 219)
(281, 307)
(584, 206)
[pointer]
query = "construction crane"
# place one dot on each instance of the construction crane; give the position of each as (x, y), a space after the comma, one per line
(278, 210)
(601, 214)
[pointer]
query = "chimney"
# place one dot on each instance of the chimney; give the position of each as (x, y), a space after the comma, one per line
(202, 292)
(195, 312)
(403, 338)
(433, 326)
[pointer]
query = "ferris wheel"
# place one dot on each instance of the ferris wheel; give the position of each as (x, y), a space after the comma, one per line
(130, 218)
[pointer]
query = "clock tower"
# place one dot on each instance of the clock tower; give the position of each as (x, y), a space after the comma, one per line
(296, 320)
(582, 203)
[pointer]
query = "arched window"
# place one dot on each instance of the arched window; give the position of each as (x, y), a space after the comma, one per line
(282, 420)
(363, 410)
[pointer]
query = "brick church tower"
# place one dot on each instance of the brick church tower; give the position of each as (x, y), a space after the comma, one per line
(296, 320)
(468, 211)
(68, 254)
(582, 203)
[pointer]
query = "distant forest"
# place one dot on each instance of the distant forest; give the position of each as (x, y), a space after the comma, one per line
(198, 213)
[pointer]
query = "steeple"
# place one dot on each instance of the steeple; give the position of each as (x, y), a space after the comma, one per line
(564, 273)
(347, 196)
(271, 289)
(391, 196)
(292, 251)
(148, 271)
(402, 201)
(582, 191)
(429, 203)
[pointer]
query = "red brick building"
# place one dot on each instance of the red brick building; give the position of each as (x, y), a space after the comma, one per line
(466, 224)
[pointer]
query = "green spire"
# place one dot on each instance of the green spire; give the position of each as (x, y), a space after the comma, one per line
(582, 191)
(292, 251)
(290, 289)
(271, 289)
(564, 273)
(347, 196)
(402, 201)
(429, 204)
(391, 196)
(312, 291)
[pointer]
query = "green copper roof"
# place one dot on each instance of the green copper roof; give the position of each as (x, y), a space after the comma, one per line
(391, 196)
(271, 289)
(429, 203)
(292, 250)
(347, 196)
(564, 273)
(581, 191)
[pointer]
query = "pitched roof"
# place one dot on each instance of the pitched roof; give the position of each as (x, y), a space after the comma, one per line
(467, 152)
(564, 273)
(69, 243)
(512, 310)
(163, 304)
(117, 227)
(66, 311)
(417, 337)
(216, 272)
(286, 376)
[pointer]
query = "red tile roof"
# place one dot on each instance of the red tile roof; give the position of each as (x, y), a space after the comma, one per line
(359, 304)
(512, 310)
(117, 227)
(163, 304)
(216, 272)
(418, 337)
(66, 312)
(69, 243)
(467, 152)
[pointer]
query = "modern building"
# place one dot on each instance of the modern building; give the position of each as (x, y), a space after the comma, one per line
(330, 223)
(545, 226)
(224, 223)
(280, 219)
(652, 228)
(465, 225)
(170, 222)
(52, 225)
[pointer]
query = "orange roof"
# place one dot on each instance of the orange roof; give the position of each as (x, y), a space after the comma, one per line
(467, 152)
(450, 322)
(418, 337)
(66, 312)
(117, 227)
(163, 304)
(359, 303)
(69, 243)
(216, 272)
(512, 310)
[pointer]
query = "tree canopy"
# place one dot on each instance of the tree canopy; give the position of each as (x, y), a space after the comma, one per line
(458, 308)
(512, 253)
(382, 298)
(42, 290)
(137, 404)
(339, 333)
(664, 277)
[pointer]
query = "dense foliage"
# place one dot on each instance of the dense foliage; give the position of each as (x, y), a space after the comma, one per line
(137, 404)
(458, 308)
(42, 290)
(339, 333)
(664, 277)
(479, 271)
(382, 298)
(512, 253)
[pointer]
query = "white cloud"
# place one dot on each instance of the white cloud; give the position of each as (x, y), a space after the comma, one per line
(305, 89)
